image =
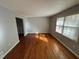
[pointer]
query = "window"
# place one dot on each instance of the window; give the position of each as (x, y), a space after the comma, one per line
(59, 25)
(68, 26)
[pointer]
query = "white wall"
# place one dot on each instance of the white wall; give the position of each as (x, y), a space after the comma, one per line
(8, 31)
(36, 24)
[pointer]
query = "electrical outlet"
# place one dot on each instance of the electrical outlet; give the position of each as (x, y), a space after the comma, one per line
(1, 54)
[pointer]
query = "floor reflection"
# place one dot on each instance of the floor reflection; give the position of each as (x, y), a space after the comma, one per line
(41, 37)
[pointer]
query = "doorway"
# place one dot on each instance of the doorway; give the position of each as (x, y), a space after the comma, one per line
(20, 27)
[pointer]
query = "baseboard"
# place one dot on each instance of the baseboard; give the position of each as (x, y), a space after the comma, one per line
(66, 46)
(36, 33)
(25, 34)
(9, 49)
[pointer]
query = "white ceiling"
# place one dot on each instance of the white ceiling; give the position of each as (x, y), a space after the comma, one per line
(37, 8)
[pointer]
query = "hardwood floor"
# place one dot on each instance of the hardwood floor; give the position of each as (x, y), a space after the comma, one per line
(41, 46)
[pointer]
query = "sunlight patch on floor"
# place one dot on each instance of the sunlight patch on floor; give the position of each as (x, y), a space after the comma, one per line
(41, 37)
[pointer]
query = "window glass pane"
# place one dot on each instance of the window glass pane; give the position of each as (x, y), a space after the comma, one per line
(71, 33)
(59, 29)
(77, 20)
(60, 21)
(71, 21)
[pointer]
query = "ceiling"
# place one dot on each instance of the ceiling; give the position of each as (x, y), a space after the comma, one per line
(37, 8)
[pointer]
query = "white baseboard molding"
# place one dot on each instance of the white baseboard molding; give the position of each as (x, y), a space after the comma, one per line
(35, 32)
(25, 34)
(9, 49)
(66, 46)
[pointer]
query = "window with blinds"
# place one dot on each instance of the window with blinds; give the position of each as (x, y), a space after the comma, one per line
(68, 26)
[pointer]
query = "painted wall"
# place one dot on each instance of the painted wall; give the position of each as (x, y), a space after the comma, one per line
(36, 24)
(71, 45)
(8, 31)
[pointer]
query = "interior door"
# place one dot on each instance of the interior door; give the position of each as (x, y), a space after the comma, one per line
(20, 27)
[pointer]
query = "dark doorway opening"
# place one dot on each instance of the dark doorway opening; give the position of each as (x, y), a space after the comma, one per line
(20, 27)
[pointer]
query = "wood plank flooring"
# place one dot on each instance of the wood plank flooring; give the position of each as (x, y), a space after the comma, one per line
(39, 46)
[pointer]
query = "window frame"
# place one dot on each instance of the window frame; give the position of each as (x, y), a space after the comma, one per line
(63, 26)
